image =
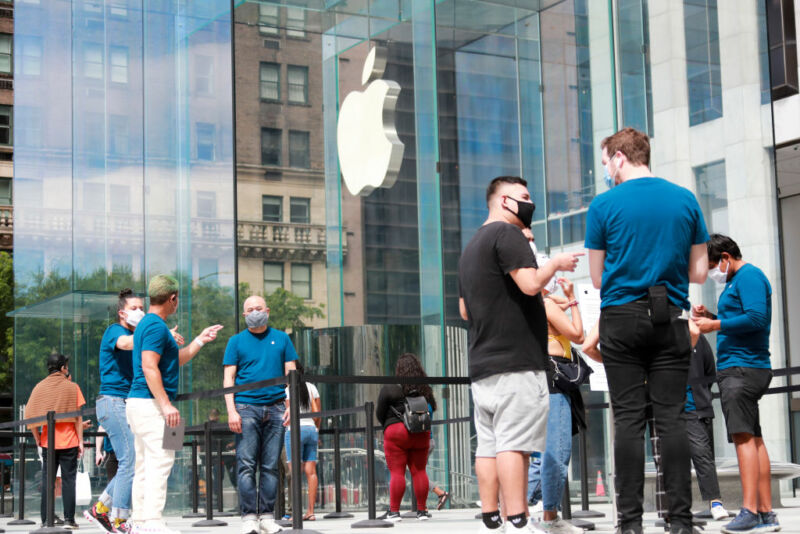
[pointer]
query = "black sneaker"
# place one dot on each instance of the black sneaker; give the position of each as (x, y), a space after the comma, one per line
(394, 517)
(423, 515)
(99, 519)
(57, 520)
(769, 522)
(71, 525)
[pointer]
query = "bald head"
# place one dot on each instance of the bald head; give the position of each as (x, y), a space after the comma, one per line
(255, 302)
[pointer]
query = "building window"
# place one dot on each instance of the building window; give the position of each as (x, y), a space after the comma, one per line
(119, 198)
(207, 204)
(28, 127)
(271, 208)
(268, 19)
(30, 49)
(273, 277)
(119, 8)
(206, 134)
(782, 34)
(118, 135)
(712, 194)
(270, 146)
(204, 75)
(5, 191)
(6, 59)
(119, 64)
(702, 60)
(634, 65)
(6, 137)
(93, 61)
(300, 210)
(296, 22)
(298, 149)
(270, 81)
(297, 79)
(208, 270)
(94, 196)
(301, 280)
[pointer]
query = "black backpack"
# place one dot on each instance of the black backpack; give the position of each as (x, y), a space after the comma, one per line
(415, 416)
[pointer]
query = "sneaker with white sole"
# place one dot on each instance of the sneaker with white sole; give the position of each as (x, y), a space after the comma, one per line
(394, 517)
(769, 522)
(718, 512)
(744, 523)
(154, 527)
(486, 530)
(250, 526)
(532, 526)
(267, 525)
(560, 526)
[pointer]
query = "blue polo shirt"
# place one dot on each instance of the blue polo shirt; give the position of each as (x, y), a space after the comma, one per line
(116, 369)
(153, 334)
(259, 357)
(745, 313)
(647, 227)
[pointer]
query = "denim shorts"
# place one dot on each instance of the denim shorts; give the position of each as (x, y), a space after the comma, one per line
(309, 437)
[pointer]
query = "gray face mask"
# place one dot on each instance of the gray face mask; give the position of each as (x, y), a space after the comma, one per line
(256, 319)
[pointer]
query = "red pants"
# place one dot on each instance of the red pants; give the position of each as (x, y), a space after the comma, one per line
(403, 449)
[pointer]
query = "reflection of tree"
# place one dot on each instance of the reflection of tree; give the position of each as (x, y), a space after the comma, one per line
(286, 310)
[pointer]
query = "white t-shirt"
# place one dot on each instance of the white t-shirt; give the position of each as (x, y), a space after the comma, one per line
(313, 393)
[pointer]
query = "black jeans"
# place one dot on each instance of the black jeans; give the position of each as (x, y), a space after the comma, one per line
(67, 459)
(701, 445)
(641, 360)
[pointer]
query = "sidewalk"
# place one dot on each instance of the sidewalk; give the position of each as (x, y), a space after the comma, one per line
(449, 521)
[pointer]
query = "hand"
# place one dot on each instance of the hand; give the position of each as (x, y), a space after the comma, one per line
(171, 415)
(705, 325)
(177, 337)
(694, 333)
(566, 261)
(98, 459)
(527, 233)
(235, 421)
(568, 287)
(700, 311)
(286, 417)
(209, 333)
(87, 424)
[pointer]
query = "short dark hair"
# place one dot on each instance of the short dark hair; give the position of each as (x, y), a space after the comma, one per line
(718, 244)
(494, 184)
(55, 361)
(631, 142)
(124, 295)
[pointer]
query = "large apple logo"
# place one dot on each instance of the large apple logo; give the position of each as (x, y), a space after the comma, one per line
(370, 152)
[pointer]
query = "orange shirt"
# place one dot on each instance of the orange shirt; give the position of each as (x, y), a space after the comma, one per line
(66, 435)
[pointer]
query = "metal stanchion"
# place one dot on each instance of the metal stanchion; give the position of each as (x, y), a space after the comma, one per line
(337, 476)
(371, 522)
(49, 494)
(20, 520)
(220, 477)
(585, 511)
(294, 443)
(209, 521)
(566, 509)
(195, 485)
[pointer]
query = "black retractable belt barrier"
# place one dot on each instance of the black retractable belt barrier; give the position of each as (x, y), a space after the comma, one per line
(209, 521)
(584, 511)
(337, 476)
(371, 521)
(48, 528)
(20, 520)
(220, 468)
(195, 485)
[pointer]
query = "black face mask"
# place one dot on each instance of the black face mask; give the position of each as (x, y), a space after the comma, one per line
(524, 211)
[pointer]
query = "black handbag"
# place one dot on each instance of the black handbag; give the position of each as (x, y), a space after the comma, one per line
(570, 375)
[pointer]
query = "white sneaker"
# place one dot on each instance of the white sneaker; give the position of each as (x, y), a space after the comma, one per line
(718, 513)
(536, 509)
(486, 530)
(267, 525)
(250, 526)
(531, 526)
(560, 526)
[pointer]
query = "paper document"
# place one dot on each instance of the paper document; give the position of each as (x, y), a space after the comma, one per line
(589, 304)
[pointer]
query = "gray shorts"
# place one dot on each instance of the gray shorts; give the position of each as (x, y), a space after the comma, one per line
(511, 413)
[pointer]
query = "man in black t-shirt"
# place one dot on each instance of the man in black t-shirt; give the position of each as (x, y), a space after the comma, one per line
(499, 286)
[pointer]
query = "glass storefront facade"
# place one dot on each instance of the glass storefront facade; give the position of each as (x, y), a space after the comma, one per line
(202, 139)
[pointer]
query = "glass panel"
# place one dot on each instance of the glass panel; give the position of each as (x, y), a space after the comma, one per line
(207, 204)
(270, 81)
(119, 64)
(300, 210)
(273, 277)
(702, 60)
(633, 38)
(31, 53)
(93, 60)
(301, 280)
(204, 75)
(270, 146)
(298, 149)
(206, 142)
(297, 79)
(272, 208)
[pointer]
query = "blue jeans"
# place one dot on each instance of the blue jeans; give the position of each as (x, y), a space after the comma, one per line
(259, 449)
(309, 439)
(548, 473)
(111, 416)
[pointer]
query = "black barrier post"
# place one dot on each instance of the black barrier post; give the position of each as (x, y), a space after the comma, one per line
(371, 522)
(566, 507)
(584, 511)
(337, 476)
(220, 470)
(297, 471)
(48, 528)
(20, 520)
(195, 485)
(209, 521)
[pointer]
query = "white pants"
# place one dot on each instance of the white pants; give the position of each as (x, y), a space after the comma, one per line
(153, 462)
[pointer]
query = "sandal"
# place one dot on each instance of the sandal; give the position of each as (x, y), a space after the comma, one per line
(443, 498)
(309, 517)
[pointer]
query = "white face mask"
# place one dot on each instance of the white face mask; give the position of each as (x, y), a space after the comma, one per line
(719, 276)
(134, 316)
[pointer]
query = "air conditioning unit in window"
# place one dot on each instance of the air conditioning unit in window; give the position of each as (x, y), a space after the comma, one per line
(272, 45)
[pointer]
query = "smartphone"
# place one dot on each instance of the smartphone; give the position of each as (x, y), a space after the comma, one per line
(173, 436)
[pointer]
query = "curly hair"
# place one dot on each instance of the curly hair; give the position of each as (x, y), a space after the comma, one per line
(409, 365)
(123, 297)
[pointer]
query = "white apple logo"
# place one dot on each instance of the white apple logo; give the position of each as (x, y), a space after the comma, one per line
(370, 152)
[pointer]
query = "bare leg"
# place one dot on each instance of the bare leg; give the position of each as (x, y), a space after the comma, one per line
(488, 484)
(511, 469)
(311, 476)
(764, 477)
(747, 453)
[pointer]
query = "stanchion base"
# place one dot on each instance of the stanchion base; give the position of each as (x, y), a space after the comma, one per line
(285, 523)
(6, 515)
(21, 522)
(224, 514)
(587, 513)
(50, 530)
(337, 515)
(372, 523)
(210, 523)
(193, 515)
(586, 525)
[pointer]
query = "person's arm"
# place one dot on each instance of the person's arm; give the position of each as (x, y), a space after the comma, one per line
(288, 366)
(125, 342)
(382, 406)
(209, 334)
(316, 406)
(531, 280)
(36, 435)
(228, 380)
(462, 309)
(98, 447)
(597, 259)
(152, 375)
(79, 431)
(754, 317)
(590, 344)
(698, 264)
(572, 328)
